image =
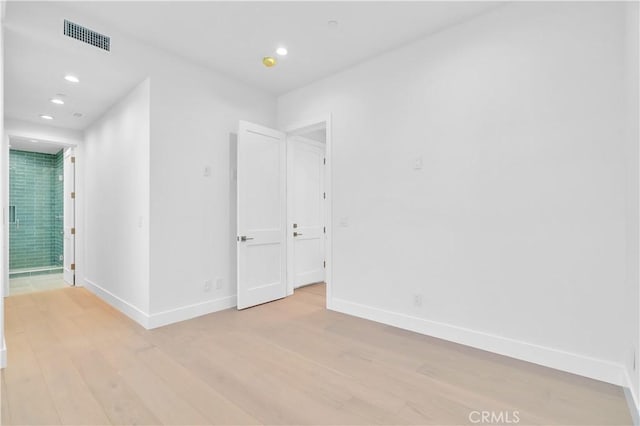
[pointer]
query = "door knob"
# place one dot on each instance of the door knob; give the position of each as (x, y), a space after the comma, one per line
(296, 234)
(245, 238)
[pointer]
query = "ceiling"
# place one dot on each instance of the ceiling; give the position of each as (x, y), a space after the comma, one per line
(229, 37)
(35, 145)
(34, 73)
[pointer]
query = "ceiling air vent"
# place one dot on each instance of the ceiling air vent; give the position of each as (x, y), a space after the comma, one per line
(86, 35)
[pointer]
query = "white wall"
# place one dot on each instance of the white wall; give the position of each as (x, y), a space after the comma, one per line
(513, 232)
(193, 113)
(632, 156)
(194, 120)
(115, 201)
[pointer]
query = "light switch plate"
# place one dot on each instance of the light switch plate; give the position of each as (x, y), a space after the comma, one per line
(417, 164)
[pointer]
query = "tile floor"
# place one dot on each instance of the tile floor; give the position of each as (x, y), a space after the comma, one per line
(35, 283)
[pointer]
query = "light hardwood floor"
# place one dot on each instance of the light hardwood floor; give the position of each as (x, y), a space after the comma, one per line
(75, 360)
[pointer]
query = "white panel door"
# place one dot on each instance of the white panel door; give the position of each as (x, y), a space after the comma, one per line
(69, 228)
(261, 237)
(307, 190)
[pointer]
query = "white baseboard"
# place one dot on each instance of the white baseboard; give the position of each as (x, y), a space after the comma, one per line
(191, 311)
(632, 400)
(123, 306)
(163, 318)
(633, 410)
(570, 362)
(3, 354)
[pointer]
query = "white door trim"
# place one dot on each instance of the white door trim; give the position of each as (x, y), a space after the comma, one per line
(5, 216)
(69, 216)
(328, 250)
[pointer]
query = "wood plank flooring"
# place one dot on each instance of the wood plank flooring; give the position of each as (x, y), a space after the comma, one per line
(75, 360)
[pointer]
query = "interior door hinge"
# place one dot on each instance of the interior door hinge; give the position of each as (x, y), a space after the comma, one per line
(73, 159)
(324, 229)
(324, 161)
(324, 195)
(73, 267)
(73, 231)
(73, 195)
(324, 263)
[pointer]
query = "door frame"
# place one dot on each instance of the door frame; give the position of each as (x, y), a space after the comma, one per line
(328, 210)
(69, 152)
(291, 140)
(5, 164)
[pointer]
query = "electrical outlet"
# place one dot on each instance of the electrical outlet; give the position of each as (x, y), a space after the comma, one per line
(417, 300)
(206, 171)
(219, 283)
(207, 285)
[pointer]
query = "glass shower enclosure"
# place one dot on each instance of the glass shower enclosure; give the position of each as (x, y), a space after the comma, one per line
(35, 213)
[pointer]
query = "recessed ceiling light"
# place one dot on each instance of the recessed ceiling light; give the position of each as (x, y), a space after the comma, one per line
(332, 23)
(72, 78)
(269, 61)
(57, 101)
(282, 51)
(46, 117)
(34, 140)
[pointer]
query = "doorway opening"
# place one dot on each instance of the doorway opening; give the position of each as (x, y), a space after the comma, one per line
(283, 211)
(41, 216)
(306, 206)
